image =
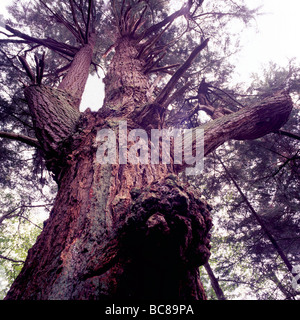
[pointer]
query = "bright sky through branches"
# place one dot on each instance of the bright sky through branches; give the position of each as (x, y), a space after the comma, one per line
(276, 38)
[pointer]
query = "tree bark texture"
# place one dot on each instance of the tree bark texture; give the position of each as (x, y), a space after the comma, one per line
(74, 81)
(121, 230)
(249, 123)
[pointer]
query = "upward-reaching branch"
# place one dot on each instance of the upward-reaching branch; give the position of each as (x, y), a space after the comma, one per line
(81, 34)
(164, 94)
(40, 64)
(60, 18)
(87, 31)
(146, 48)
(75, 80)
(161, 24)
(27, 69)
(137, 24)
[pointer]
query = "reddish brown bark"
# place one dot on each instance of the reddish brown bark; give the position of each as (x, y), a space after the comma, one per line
(249, 123)
(87, 249)
(115, 230)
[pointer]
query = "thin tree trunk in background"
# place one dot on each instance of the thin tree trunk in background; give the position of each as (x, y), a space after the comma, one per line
(288, 295)
(258, 219)
(214, 282)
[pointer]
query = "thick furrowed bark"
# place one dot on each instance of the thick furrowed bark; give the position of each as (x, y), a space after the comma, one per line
(105, 227)
(87, 249)
(53, 115)
(54, 119)
(126, 84)
(103, 241)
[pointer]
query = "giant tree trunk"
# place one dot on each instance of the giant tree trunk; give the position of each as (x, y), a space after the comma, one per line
(122, 230)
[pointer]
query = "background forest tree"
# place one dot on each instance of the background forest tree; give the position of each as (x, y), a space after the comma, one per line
(267, 168)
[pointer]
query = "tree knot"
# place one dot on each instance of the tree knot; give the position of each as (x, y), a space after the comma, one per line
(168, 224)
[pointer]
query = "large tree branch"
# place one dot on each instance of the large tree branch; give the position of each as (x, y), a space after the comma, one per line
(53, 114)
(164, 94)
(49, 43)
(169, 19)
(20, 137)
(75, 80)
(251, 122)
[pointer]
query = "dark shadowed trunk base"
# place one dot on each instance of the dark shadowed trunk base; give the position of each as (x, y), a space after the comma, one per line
(164, 241)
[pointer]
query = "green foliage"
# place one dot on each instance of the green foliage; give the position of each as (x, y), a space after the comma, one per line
(17, 235)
